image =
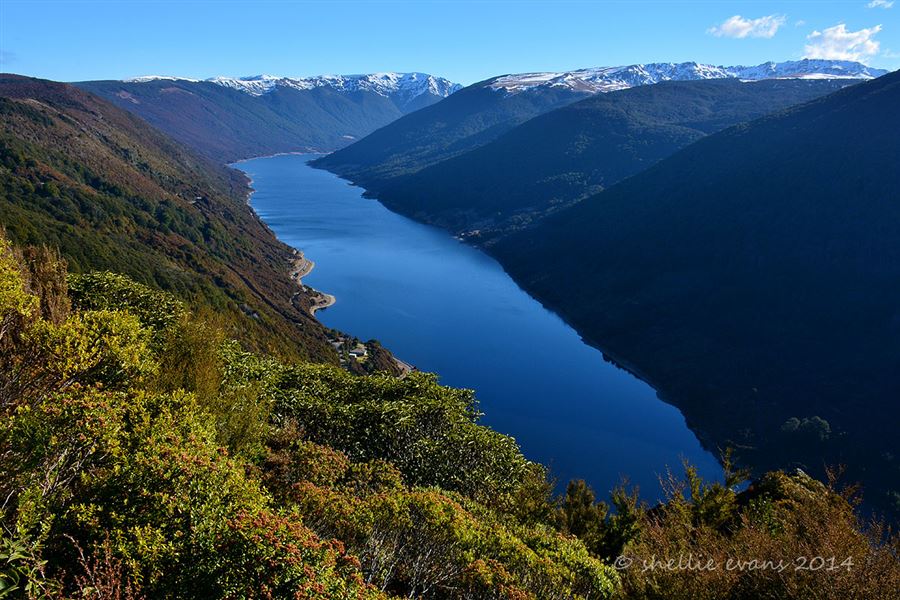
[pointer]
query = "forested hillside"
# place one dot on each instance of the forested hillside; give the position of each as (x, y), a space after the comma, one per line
(570, 153)
(110, 192)
(469, 118)
(753, 279)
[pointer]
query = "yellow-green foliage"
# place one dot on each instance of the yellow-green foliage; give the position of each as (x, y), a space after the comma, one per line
(13, 299)
(428, 431)
(141, 448)
(95, 460)
(102, 290)
(103, 346)
(427, 541)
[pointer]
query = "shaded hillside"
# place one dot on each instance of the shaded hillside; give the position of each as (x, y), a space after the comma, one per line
(112, 193)
(565, 155)
(228, 124)
(469, 118)
(754, 278)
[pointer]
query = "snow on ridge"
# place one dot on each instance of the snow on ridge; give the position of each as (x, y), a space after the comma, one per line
(407, 85)
(147, 78)
(607, 79)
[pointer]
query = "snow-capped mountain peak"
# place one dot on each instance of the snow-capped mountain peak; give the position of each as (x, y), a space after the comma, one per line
(406, 85)
(607, 79)
(148, 78)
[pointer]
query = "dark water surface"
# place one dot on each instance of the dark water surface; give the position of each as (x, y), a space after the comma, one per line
(446, 307)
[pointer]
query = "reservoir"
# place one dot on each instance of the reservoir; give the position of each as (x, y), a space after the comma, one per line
(448, 308)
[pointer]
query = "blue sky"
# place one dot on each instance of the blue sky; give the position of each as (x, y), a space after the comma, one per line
(465, 41)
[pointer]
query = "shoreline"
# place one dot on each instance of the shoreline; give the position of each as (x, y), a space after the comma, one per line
(250, 190)
(300, 268)
(300, 265)
(294, 152)
(323, 301)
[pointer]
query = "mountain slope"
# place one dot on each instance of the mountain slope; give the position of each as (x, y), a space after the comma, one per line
(112, 193)
(565, 155)
(228, 119)
(753, 277)
(474, 116)
(467, 119)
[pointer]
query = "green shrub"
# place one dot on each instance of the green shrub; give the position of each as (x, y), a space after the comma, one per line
(100, 290)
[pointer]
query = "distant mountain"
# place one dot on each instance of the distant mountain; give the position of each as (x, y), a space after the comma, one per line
(606, 79)
(484, 111)
(112, 193)
(232, 118)
(408, 90)
(754, 279)
(565, 155)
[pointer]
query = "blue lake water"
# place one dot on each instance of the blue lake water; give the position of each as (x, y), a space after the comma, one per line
(448, 308)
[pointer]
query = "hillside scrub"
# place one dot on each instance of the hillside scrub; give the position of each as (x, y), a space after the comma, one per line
(124, 466)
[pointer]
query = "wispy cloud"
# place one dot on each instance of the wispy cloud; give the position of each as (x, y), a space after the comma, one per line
(836, 43)
(739, 27)
(885, 4)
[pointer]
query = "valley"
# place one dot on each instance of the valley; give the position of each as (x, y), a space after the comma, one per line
(449, 309)
(672, 323)
(481, 304)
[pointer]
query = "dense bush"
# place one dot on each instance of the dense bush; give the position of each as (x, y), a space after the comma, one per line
(145, 455)
(95, 461)
(786, 536)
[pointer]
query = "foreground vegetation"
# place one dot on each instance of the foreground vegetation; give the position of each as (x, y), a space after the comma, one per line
(144, 454)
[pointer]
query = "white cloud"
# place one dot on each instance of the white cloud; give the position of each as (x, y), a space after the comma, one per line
(885, 4)
(836, 43)
(739, 27)
(800, 23)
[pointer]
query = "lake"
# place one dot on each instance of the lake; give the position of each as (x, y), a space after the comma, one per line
(448, 308)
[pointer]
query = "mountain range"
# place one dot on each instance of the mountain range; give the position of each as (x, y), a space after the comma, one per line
(228, 119)
(484, 111)
(605, 79)
(565, 155)
(232, 118)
